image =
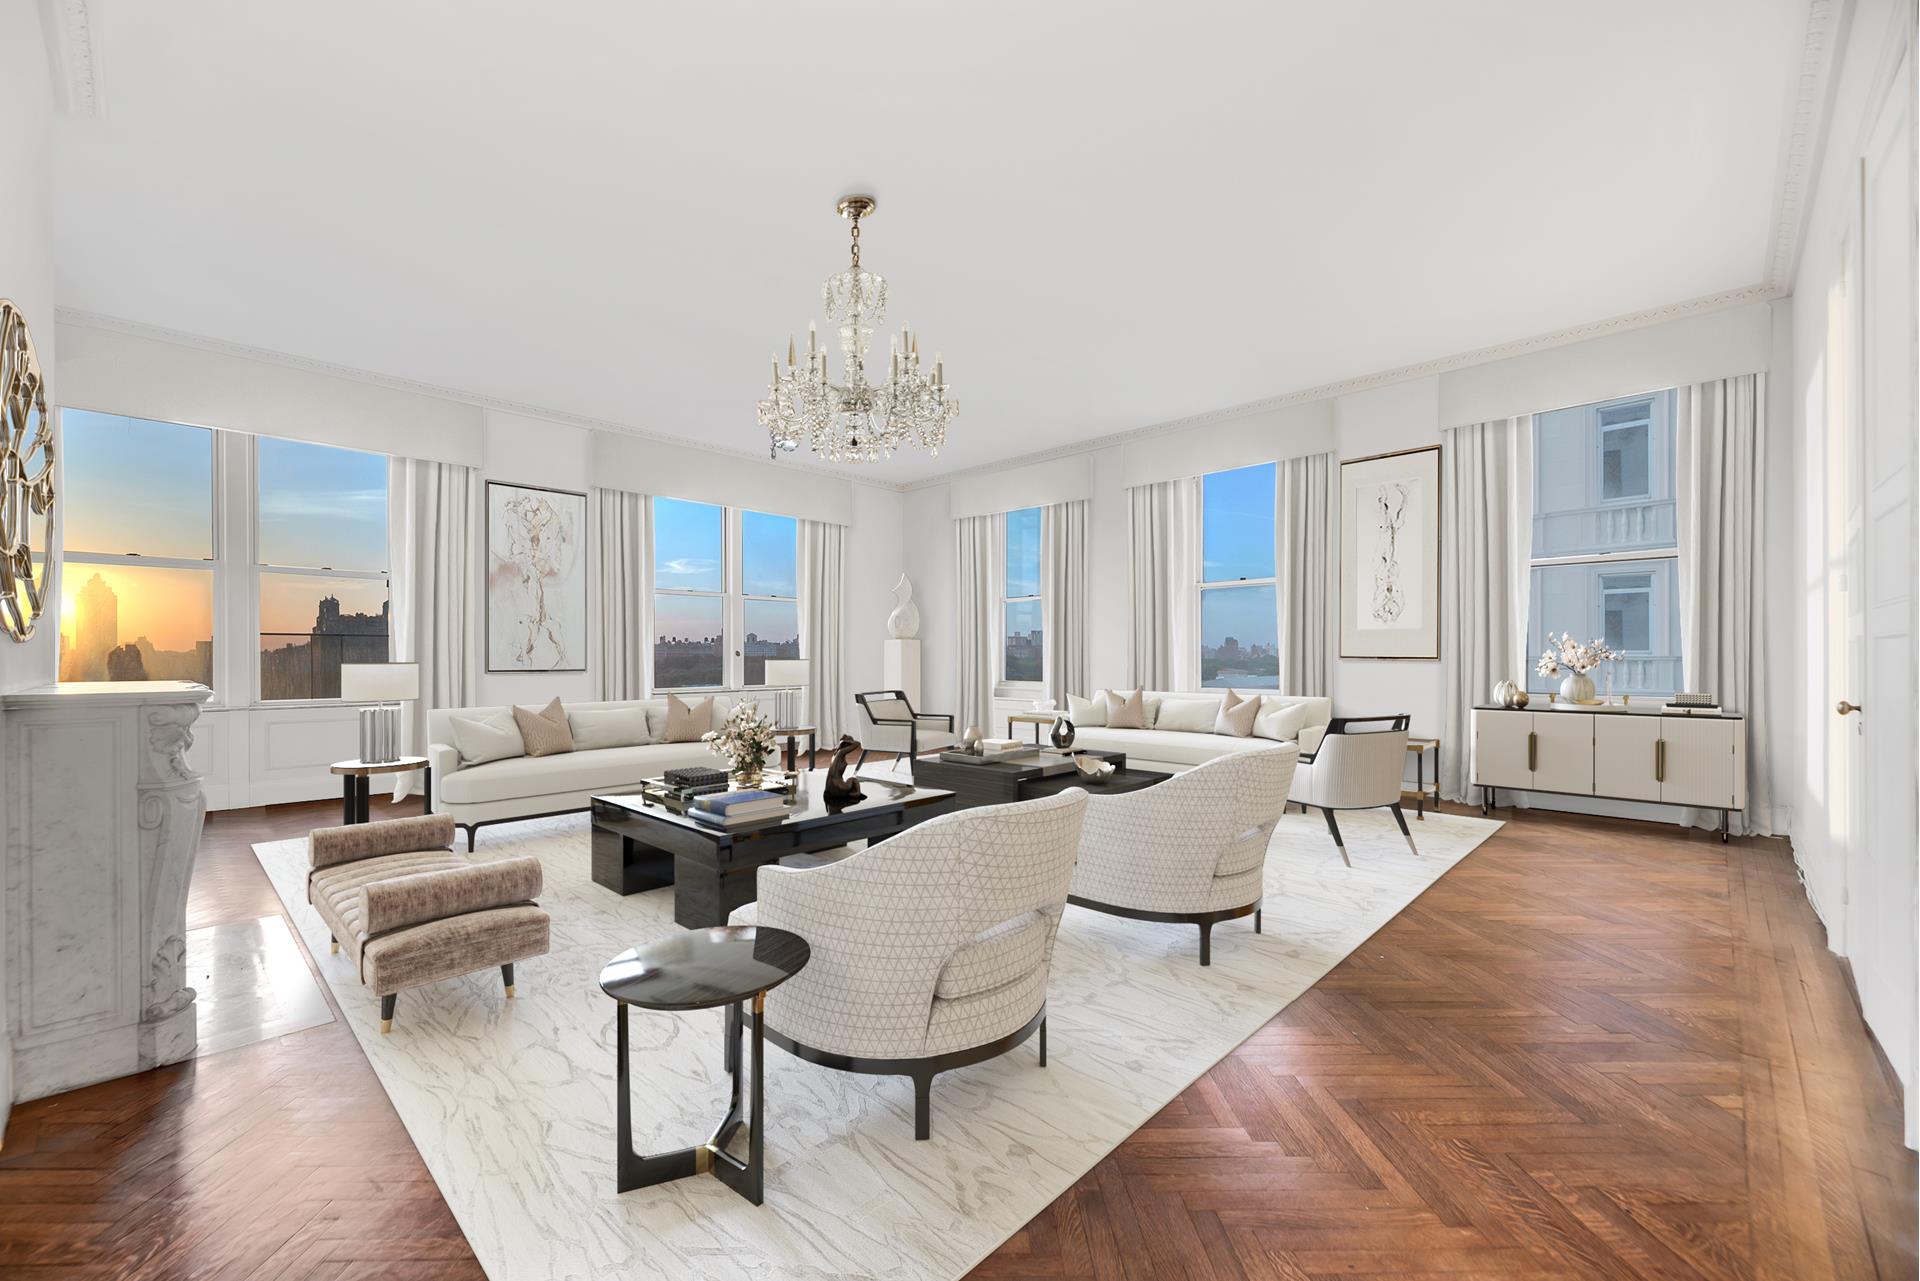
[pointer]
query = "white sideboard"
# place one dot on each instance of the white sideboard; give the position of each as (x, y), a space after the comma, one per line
(103, 817)
(1667, 758)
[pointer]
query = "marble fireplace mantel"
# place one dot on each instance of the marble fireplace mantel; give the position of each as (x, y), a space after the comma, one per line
(103, 817)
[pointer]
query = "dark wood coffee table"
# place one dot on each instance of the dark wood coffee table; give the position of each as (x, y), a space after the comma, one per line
(1020, 779)
(639, 845)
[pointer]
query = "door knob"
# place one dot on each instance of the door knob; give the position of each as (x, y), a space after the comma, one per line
(1843, 707)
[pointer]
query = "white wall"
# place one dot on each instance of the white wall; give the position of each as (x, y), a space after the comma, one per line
(1883, 966)
(26, 276)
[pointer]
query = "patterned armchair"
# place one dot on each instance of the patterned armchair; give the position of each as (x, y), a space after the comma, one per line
(1192, 849)
(930, 950)
(1355, 770)
(893, 726)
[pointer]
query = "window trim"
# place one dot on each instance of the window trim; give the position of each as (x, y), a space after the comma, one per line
(1003, 687)
(1205, 584)
(733, 597)
(737, 522)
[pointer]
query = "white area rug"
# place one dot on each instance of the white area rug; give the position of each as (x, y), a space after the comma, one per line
(511, 1102)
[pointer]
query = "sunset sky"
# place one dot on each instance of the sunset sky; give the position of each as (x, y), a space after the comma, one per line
(171, 607)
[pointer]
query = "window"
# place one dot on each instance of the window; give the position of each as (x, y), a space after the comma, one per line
(1605, 551)
(1021, 660)
(320, 538)
(137, 541)
(721, 573)
(1239, 612)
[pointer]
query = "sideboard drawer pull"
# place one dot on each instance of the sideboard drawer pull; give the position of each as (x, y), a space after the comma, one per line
(1533, 752)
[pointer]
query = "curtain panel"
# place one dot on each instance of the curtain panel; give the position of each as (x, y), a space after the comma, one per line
(977, 580)
(624, 534)
(1302, 560)
(1163, 585)
(1720, 466)
(1486, 542)
(823, 591)
(431, 544)
(1063, 598)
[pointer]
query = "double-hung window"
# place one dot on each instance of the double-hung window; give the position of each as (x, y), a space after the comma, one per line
(320, 565)
(1239, 614)
(1605, 547)
(137, 526)
(1021, 652)
(726, 594)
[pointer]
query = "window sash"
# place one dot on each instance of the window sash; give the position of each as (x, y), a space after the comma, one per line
(733, 598)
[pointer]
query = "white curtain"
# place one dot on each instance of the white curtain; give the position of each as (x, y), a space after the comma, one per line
(1163, 532)
(978, 570)
(430, 544)
(625, 557)
(1486, 538)
(1302, 556)
(823, 577)
(1720, 455)
(1063, 598)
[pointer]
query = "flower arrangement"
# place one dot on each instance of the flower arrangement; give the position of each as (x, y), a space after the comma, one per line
(744, 738)
(1578, 657)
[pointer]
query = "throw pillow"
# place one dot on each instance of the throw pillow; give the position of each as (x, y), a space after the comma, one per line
(1187, 715)
(1126, 711)
(545, 732)
(1087, 711)
(1150, 708)
(599, 727)
(480, 739)
(1236, 715)
(686, 722)
(1279, 721)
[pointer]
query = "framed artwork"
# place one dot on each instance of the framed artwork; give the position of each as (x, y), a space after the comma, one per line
(1390, 555)
(536, 579)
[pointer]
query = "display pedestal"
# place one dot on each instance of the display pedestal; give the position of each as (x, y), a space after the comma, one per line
(900, 669)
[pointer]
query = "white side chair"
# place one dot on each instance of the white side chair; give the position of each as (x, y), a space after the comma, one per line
(891, 725)
(930, 950)
(1353, 769)
(1192, 849)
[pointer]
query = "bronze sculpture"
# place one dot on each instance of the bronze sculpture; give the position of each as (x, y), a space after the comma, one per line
(839, 789)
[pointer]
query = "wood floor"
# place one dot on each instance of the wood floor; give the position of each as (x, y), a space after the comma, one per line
(1594, 1049)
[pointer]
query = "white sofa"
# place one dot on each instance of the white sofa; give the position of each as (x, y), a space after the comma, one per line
(523, 787)
(1175, 751)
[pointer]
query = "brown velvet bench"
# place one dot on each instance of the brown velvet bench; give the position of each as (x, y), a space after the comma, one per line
(410, 911)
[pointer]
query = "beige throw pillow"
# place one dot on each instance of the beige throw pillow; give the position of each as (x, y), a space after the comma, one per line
(686, 722)
(1236, 715)
(1187, 715)
(1126, 711)
(1280, 722)
(598, 727)
(545, 732)
(480, 739)
(1087, 711)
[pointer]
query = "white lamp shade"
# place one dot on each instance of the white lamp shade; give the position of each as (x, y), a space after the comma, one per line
(379, 682)
(786, 671)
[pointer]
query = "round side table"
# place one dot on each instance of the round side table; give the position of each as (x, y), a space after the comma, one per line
(354, 776)
(701, 970)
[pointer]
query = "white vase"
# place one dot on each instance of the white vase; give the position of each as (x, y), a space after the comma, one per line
(1577, 688)
(904, 622)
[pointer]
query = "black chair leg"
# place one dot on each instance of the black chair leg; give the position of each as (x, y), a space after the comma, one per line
(922, 1106)
(861, 759)
(1043, 1042)
(1206, 942)
(506, 976)
(1400, 817)
(386, 1012)
(473, 830)
(1334, 827)
(1256, 920)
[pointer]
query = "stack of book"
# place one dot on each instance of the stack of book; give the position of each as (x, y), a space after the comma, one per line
(736, 809)
(991, 749)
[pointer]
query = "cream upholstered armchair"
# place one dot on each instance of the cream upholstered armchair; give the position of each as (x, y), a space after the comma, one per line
(930, 950)
(1192, 849)
(891, 725)
(1355, 770)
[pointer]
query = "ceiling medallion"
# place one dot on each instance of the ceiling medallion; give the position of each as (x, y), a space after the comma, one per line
(857, 421)
(26, 476)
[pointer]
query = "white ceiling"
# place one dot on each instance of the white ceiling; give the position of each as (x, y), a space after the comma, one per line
(1105, 215)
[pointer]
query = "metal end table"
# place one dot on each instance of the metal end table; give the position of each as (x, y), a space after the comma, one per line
(701, 970)
(355, 777)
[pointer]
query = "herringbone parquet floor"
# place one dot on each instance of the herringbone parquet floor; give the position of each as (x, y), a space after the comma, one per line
(1594, 1049)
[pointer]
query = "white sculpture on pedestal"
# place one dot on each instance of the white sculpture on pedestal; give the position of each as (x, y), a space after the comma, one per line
(904, 622)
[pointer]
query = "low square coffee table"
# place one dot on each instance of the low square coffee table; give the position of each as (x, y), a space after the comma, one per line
(1022, 779)
(639, 844)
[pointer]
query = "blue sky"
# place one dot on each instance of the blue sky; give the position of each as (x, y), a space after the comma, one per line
(688, 552)
(1237, 542)
(320, 507)
(1023, 552)
(135, 486)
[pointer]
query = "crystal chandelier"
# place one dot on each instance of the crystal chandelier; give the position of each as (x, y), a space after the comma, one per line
(857, 421)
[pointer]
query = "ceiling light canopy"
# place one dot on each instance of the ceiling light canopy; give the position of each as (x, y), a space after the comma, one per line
(857, 421)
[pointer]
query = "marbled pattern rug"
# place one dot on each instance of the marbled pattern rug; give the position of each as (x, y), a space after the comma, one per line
(511, 1102)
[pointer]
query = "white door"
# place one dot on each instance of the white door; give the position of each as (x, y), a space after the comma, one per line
(1884, 849)
(1625, 748)
(1563, 752)
(1697, 762)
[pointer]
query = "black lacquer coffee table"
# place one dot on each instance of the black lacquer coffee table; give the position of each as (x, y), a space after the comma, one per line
(700, 970)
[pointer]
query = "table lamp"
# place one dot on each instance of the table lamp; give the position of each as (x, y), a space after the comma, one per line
(386, 686)
(790, 673)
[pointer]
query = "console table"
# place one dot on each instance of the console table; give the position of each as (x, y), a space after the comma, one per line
(1693, 759)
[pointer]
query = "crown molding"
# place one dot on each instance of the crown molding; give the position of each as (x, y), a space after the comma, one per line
(138, 329)
(1802, 141)
(1327, 391)
(72, 32)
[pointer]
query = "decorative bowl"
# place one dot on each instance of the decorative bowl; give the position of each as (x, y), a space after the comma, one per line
(1093, 768)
